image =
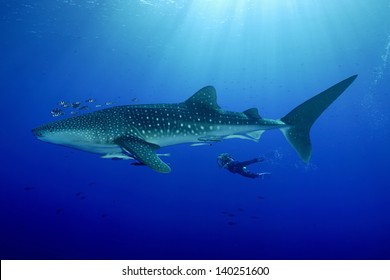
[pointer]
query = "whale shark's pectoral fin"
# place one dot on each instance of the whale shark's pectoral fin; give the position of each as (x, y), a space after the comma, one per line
(144, 152)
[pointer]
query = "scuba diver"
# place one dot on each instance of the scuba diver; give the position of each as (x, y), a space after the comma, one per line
(228, 162)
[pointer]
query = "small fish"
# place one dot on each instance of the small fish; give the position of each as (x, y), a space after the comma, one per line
(210, 138)
(164, 155)
(64, 104)
(76, 104)
(28, 188)
(200, 144)
(108, 103)
(56, 112)
(135, 99)
(59, 211)
(83, 108)
(79, 193)
(98, 105)
(74, 113)
(241, 209)
(232, 223)
(137, 163)
(260, 197)
(90, 100)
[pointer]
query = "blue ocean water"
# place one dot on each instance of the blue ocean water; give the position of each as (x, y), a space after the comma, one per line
(59, 203)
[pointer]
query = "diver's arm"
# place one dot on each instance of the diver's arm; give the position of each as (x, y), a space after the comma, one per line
(248, 162)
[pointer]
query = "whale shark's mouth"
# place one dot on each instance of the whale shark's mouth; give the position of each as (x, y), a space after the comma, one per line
(37, 132)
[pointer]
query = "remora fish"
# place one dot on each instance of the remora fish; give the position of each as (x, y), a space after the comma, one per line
(139, 130)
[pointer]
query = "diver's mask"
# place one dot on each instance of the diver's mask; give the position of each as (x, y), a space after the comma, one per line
(224, 159)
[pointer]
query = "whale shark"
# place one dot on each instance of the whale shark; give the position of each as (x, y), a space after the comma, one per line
(138, 131)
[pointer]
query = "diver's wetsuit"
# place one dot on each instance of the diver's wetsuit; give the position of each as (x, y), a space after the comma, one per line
(228, 162)
(235, 166)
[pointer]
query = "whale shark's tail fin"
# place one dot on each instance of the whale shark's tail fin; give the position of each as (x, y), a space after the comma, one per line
(301, 118)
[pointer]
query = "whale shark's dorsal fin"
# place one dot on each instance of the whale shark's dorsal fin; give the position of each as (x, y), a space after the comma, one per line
(205, 98)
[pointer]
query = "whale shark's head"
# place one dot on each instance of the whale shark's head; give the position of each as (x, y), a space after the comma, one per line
(85, 132)
(67, 132)
(54, 133)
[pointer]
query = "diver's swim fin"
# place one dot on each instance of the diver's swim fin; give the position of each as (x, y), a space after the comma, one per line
(300, 119)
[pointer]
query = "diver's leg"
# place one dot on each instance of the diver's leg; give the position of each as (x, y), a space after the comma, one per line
(244, 172)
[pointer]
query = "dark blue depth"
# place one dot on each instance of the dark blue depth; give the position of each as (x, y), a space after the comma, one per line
(58, 203)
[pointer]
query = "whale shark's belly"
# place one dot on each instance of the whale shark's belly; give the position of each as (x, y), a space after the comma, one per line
(97, 148)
